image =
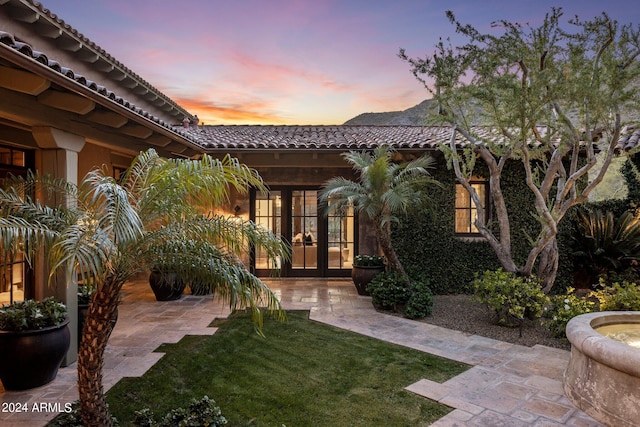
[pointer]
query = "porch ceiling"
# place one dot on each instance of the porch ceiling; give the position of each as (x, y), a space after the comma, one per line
(37, 91)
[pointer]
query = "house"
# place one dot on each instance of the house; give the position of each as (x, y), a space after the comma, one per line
(67, 106)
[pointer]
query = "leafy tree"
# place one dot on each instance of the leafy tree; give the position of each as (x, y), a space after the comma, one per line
(545, 97)
(109, 231)
(385, 191)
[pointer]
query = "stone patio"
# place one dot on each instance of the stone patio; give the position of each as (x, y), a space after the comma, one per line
(508, 385)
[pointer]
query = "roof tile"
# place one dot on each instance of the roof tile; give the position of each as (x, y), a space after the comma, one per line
(342, 138)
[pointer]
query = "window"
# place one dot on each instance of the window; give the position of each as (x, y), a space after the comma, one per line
(341, 238)
(466, 213)
(118, 172)
(268, 214)
(12, 157)
(304, 236)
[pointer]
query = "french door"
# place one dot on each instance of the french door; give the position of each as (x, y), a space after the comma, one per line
(16, 276)
(321, 246)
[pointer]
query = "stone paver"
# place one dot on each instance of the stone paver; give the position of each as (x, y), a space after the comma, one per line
(507, 385)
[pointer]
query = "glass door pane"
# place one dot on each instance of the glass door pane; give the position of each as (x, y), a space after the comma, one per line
(12, 277)
(304, 229)
(340, 239)
(15, 276)
(268, 209)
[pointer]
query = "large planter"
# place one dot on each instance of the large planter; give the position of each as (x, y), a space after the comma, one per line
(362, 275)
(31, 359)
(166, 286)
(199, 289)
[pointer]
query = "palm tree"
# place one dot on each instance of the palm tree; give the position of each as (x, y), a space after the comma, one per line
(108, 231)
(385, 191)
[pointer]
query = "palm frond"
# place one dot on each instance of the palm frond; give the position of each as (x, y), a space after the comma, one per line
(235, 235)
(217, 269)
(19, 234)
(83, 249)
(108, 203)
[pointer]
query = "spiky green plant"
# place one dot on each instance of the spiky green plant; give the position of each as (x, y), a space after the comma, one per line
(602, 243)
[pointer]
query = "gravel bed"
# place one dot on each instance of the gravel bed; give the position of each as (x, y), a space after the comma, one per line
(462, 313)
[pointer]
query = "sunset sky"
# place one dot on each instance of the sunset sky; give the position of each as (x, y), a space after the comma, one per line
(292, 61)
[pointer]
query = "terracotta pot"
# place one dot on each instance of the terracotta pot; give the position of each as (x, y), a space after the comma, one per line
(363, 275)
(31, 359)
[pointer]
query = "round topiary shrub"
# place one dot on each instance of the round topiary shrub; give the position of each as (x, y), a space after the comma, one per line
(420, 302)
(412, 299)
(389, 291)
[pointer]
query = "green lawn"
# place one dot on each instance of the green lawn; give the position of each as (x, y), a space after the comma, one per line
(302, 373)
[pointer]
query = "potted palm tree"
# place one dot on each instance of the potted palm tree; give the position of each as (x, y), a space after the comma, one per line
(34, 337)
(111, 230)
(384, 192)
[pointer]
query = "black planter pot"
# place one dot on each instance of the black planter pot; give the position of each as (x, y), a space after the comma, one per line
(362, 275)
(31, 359)
(166, 286)
(199, 289)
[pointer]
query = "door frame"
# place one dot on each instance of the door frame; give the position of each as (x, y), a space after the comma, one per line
(322, 269)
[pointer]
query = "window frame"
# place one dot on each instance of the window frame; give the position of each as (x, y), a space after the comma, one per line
(471, 208)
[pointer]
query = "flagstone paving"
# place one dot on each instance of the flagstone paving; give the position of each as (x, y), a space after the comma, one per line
(507, 385)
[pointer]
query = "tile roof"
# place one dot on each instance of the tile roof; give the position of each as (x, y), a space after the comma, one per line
(345, 137)
(256, 137)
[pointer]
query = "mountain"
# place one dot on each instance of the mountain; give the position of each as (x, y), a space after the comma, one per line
(415, 115)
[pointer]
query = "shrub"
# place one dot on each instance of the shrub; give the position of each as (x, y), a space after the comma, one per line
(420, 302)
(85, 292)
(631, 275)
(566, 307)
(72, 418)
(368, 261)
(31, 314)
(618, 297)
(203, 412)
(389, 290)
(511, 298)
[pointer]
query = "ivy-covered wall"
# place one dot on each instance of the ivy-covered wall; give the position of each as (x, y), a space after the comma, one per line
(427, 244)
